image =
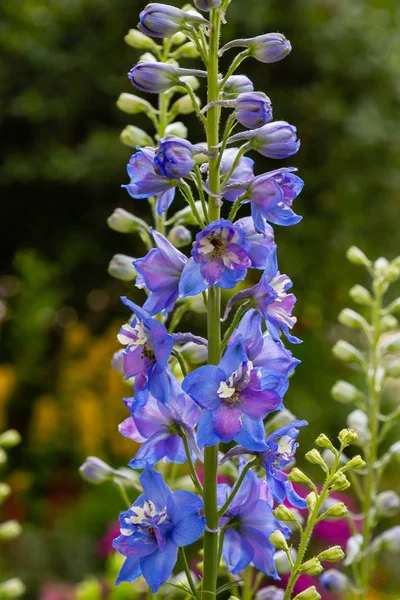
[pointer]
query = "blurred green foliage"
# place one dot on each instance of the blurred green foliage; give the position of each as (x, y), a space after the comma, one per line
(63, 65)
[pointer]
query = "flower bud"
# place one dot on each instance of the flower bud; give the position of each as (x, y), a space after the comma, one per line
(184, 105)
(337, 511)
(350, 318)
(278, 540)
(206, 5)
(267, 48)
(274, 140)
(124, 222)
(191, 81)
(157, 77)
(10, 530)
(10, 438)
(196, 304)
(340, 482)
(324, 442)
(178, 38)
(194, 354)
(237, 84)
(356, 463)
(174, 157)
(394, 306)
(179, 236)
(308, 594)
(345, 392)
(5, 491)
(314, 457)
(283, 513)
(253, 110)
(96, 470)
(3, 457)
(188, 50)
(140, 41)
(185, 216)
(361, 295)
(297, 476)
(280, 419)
(12, 588)
(388, 504)
(348, 436)
(358, 421)
(333, 554)
(148, 57)
(346, 352)
(163, 20)
(131, 104)
(121, 267)
(271, 592)
(334, 581)
(388, 323)
(177, 129)
(392, 344)
(311, 567)
(134, 136)
(117, 362)
(388, 541)
(282, 562)
(311, 501)
(357, 257)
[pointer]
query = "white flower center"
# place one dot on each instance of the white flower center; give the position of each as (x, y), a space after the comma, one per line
(133, 336)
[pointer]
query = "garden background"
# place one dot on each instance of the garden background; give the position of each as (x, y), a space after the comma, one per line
(63, 65)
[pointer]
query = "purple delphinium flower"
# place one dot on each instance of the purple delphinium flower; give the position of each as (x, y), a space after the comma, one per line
(237, 84)
(219, 257)
(274, 140)
(280, 452)
(243, 172)
(160, 271)
(154, 527)
(159, 77)
(159, 429)
(260, 243)
(261, 349)
(271, 300)
(145, 182)
(163, 20)
(148, 348)
(206, 5)
(237, 397)
(253, 110)
(267, 48)
(174, 157)
(248, 523)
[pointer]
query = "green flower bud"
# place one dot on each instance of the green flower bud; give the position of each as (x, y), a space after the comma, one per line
(350, 318)
(283, 513)
(179, 236)
(385, 270)
(297, 476)
(394, 306)
(5, 491)
(124, 222)
(178, 38)
(177, 128)
(188, 50)
(340, 482)
(121, 267)
(357, 257)
(280, 419)
(277, 539)
(314, 457)
(132, 105)
(308, 594)
(337, 511)
(333, 554)
(3, 457)
(194, 354)
(392, 343)
(388, 323)
(388, 541)
(12, 588)
(196, 304)
(10, 530)
(185, 216)
(184, 105)
(346, 352)
(388, 504)
(356, 463)
(311, 567)
(191, 80)
(137, 39)
(311, 501)
(345, 392)
(361, 295)
(324, 442)
(133, 136)
(348, 436)
(10, 438)
(147, 57)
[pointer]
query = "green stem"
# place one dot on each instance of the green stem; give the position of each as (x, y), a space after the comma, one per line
(193, 474)
(180, 360)
(235, 322)
(187, 192)
(236, 487)
(182, 556)
(199, 185)
(235, 64)
(214, 326)
(371, 486)
(229, 127)
(236, 205)
(235, 163)
(124, 495)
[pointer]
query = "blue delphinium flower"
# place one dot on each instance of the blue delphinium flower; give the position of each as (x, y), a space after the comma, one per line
(159, 429)
(148, 348)
(145, 182)
(248, 523)
(159, 77)
(260, 243)
(271, 300)
(154, 527)
(237, 397)
(159, 272)
(242, 173)
(280, 452)
(174, 157)
(163, 20)
(253, 109)
(219, 257)
(267, 48)
(237, 84)
(274, 140)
